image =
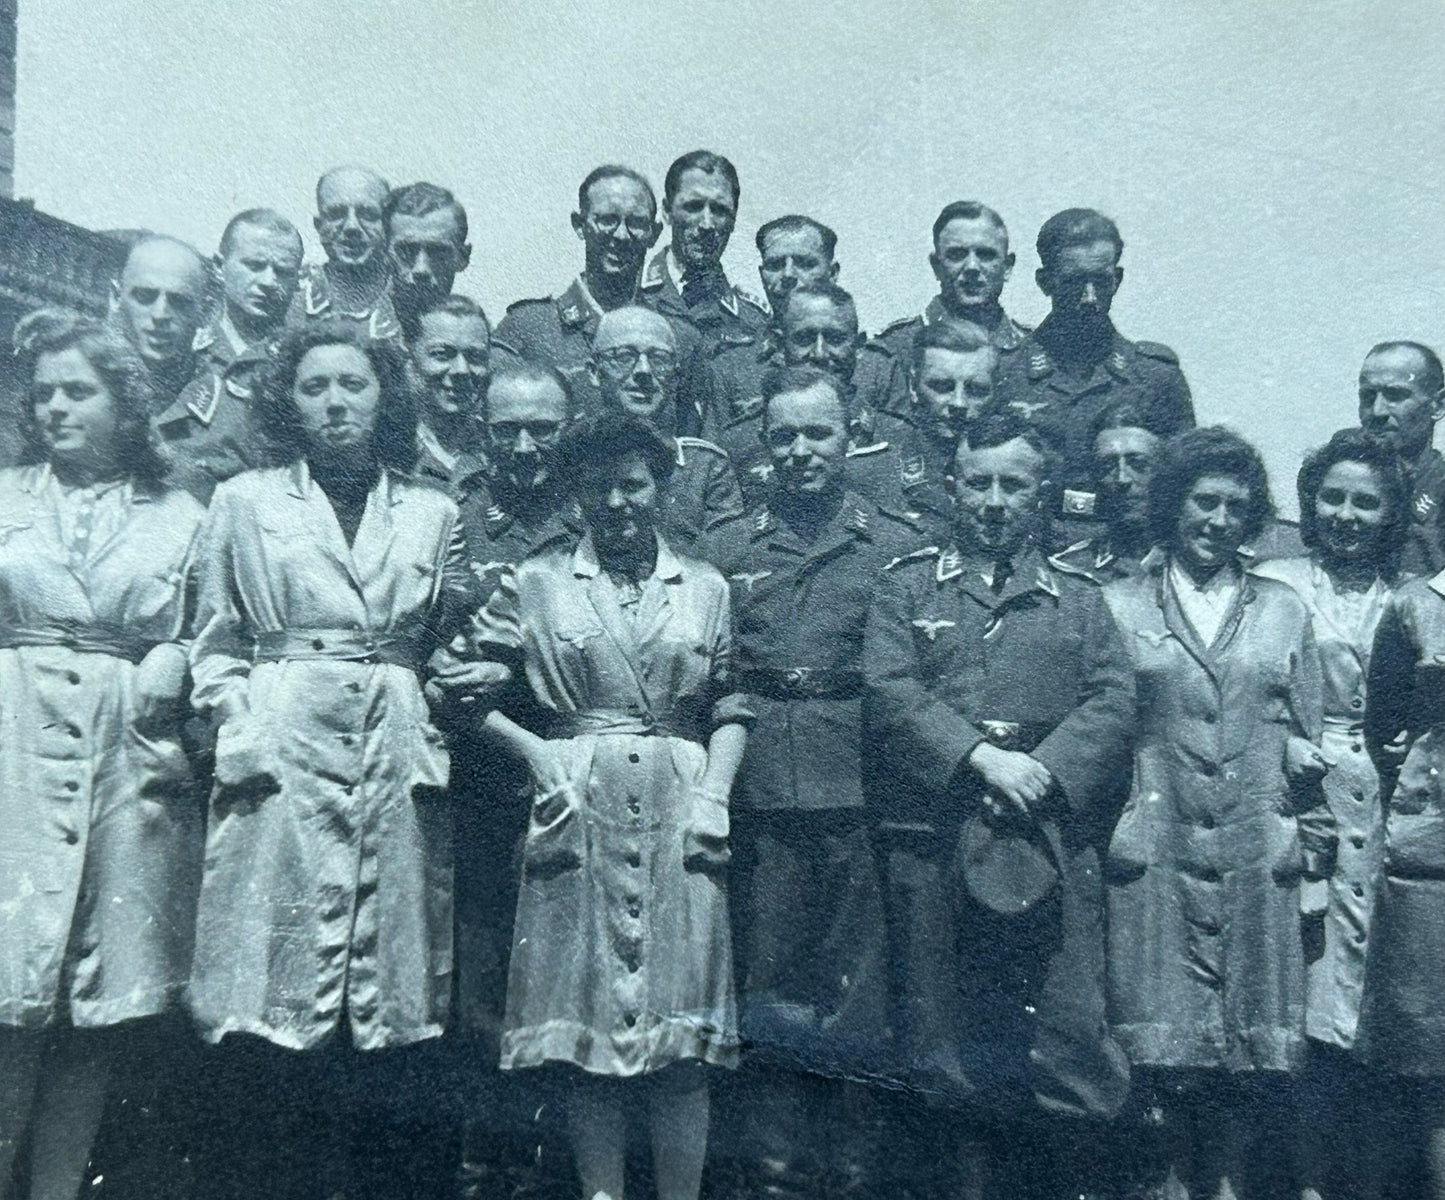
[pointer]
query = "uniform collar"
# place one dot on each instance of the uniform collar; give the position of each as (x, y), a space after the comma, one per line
(1031, 573)
(1004, 333)
(1118, 361)
(585, 564)
(851, 521)
(576, 307)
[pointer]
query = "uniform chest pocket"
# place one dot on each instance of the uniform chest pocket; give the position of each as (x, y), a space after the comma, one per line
(282, 532)
(577, 635)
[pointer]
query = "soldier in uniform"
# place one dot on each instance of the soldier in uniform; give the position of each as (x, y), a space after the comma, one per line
(794, 252)
(700, 196)
(972, 261)
(354, 283)
(158, 304)
(951, 370)
(634, 368)
(807, 905)
(817, 326)
(1124, 456)
(1402, 396)
(426, 241)
(1076, 362)
(616, 221)
(207, 428)
(1000, 704)
(450, 356)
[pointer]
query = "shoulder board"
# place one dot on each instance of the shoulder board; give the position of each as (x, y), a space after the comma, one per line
(924, 554)
(911, 521)
(898, 326)
(516, 304)
(697, 443)
(876, 347)
(1157, 351)
(864, 451)
(733, 340)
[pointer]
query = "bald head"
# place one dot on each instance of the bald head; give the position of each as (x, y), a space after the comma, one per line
(160, 298)
(349, 203)
(634, 361)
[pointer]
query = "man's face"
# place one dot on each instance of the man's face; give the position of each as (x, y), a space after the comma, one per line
(259, 274)
(792, 257)
(971, 261)
(822, 333)
(807, 435)
(160, 299)
(525, 420)
(427, 252)
(618, 228)
(348, 216)
(1081, 283)
(1395, 404)
(634, 361)
(450, 354)
(702, 215)
(996, 497)
(1124, 461)
(952, 388)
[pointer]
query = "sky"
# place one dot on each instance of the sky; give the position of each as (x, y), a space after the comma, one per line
(1275, 166)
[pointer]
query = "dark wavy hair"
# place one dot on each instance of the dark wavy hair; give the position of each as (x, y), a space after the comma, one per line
(121, 369)
(1188, 458)
(592, 444)
(1355, 445)
(394, 437)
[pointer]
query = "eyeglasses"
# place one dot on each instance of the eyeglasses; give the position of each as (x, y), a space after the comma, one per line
(624, 359)
(611, 224)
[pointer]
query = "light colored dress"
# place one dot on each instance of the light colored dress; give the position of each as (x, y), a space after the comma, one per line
(100, 819)
(333, 895)
(621, 955)
(1344, 625)
(1203, 871)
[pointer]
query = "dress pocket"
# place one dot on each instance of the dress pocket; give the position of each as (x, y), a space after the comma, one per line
(1131, 846)
(555, 833)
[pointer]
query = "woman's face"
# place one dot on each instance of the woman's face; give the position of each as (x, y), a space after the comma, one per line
(74, 410)
(619, 501)
(1211, 522)
(337, 395)
(1350, 512)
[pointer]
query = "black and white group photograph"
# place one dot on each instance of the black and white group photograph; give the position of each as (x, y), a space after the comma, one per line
(728, 601)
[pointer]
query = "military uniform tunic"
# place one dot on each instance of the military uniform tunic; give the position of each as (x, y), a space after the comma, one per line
(1424, 552)
(723, 318)
(209, 430)
(100, 817)
(807, 899)
(1064, 407)
(315, 300)
(1344, 627)
(331, 896)
(1206, 958)
(1402, 1017)
(988, 1007)
(621, 958)
(1005, 334)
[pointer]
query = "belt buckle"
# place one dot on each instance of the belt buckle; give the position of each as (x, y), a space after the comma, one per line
(798, 677)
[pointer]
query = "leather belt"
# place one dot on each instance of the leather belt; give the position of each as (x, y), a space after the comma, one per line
(91, 640)
(801, 683)
(616, 722)
(348, 645)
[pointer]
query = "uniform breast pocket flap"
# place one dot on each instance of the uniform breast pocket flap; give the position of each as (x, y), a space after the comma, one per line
(283, 531)
(578, 634)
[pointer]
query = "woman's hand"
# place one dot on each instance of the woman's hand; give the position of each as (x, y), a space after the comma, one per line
(705, 840)
(1012, 775)
(549, 770)
(1305, 764)
(160, 684)
(452, 677)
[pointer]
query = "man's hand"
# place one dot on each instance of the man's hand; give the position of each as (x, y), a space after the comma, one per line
(1012, 775)
(1305, 763)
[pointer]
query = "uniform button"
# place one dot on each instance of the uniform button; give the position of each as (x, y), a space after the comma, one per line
(634, 910)
(353, 686)
(1357, 702)
(72, 677)
(1210, 718)
(630, 1019)
(349, 788)
(348, 739)
(1357, 889)
(1359, 796)
(1355, 747)
(1206, 821)
(73, 730)
(634, 968)
(1357, 842)
(1359, 938)
(634, 757)
(634, 807)
(634, 859)
(72, 785)
(1209, 769)
(317, 644)
(71, 837)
